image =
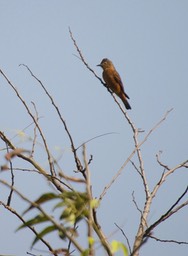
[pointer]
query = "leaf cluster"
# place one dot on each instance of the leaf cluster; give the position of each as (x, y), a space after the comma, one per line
(73, 208)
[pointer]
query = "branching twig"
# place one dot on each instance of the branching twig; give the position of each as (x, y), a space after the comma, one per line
(132, 154)
(33, 118)
(92, 218)
(10, 209)
(139, 240)
(34, 163)
(170, 212)
(166, 174)
(77, 161)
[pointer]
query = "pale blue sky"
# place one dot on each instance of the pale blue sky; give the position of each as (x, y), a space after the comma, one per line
(148, 43)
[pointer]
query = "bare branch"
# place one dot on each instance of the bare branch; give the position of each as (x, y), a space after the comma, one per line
(135, 167)
(52, 178)
(96, 137)
(168, 213)
(35, 131)
(137, 147)
(160, 163)
(33, 118)
(83, 60)
(77, 161)
(12, 178)
(70, 242)
(166, 174)
(167, 240)
(10, 209)
(122, 231)
(89, 193)
(135, 203)
(92, 218)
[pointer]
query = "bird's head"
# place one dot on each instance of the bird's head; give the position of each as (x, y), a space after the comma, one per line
(105, 63)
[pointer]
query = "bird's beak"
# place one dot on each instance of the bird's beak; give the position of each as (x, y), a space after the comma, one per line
(99, 65)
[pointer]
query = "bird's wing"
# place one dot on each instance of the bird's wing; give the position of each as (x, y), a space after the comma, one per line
(117, 78)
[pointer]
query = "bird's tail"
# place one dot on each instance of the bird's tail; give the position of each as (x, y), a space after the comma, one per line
(125, 101)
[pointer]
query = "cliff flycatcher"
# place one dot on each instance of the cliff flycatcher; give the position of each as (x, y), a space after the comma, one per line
(113, 81)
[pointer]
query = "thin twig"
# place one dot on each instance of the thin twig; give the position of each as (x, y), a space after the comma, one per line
(82, 58)
(167, 240)
(139, 239)
(77, 161)
(96, 137)
(59, 226)
(34, 163)
(122, 231)
(25, 128)
(135, 203)
(132, 154)
(70, 242)
(91, 70)
(168, 213)
(33, 118)
(135, 167)
(166, 174)
(160, 163)
(35, 131)
(12, 178)
(10, 209)
(90, 211)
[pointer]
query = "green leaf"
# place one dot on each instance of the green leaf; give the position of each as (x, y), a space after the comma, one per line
(36, 220)
(116, 246)
(59, 205)
(66, 213)
(94, 203)
(44, 232)
(42, 199)
(46, 197)
(71, 219)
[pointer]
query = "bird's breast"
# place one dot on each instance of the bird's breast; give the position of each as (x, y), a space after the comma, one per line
(109, 78)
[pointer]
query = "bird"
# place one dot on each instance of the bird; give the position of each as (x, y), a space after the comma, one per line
(113, 80)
